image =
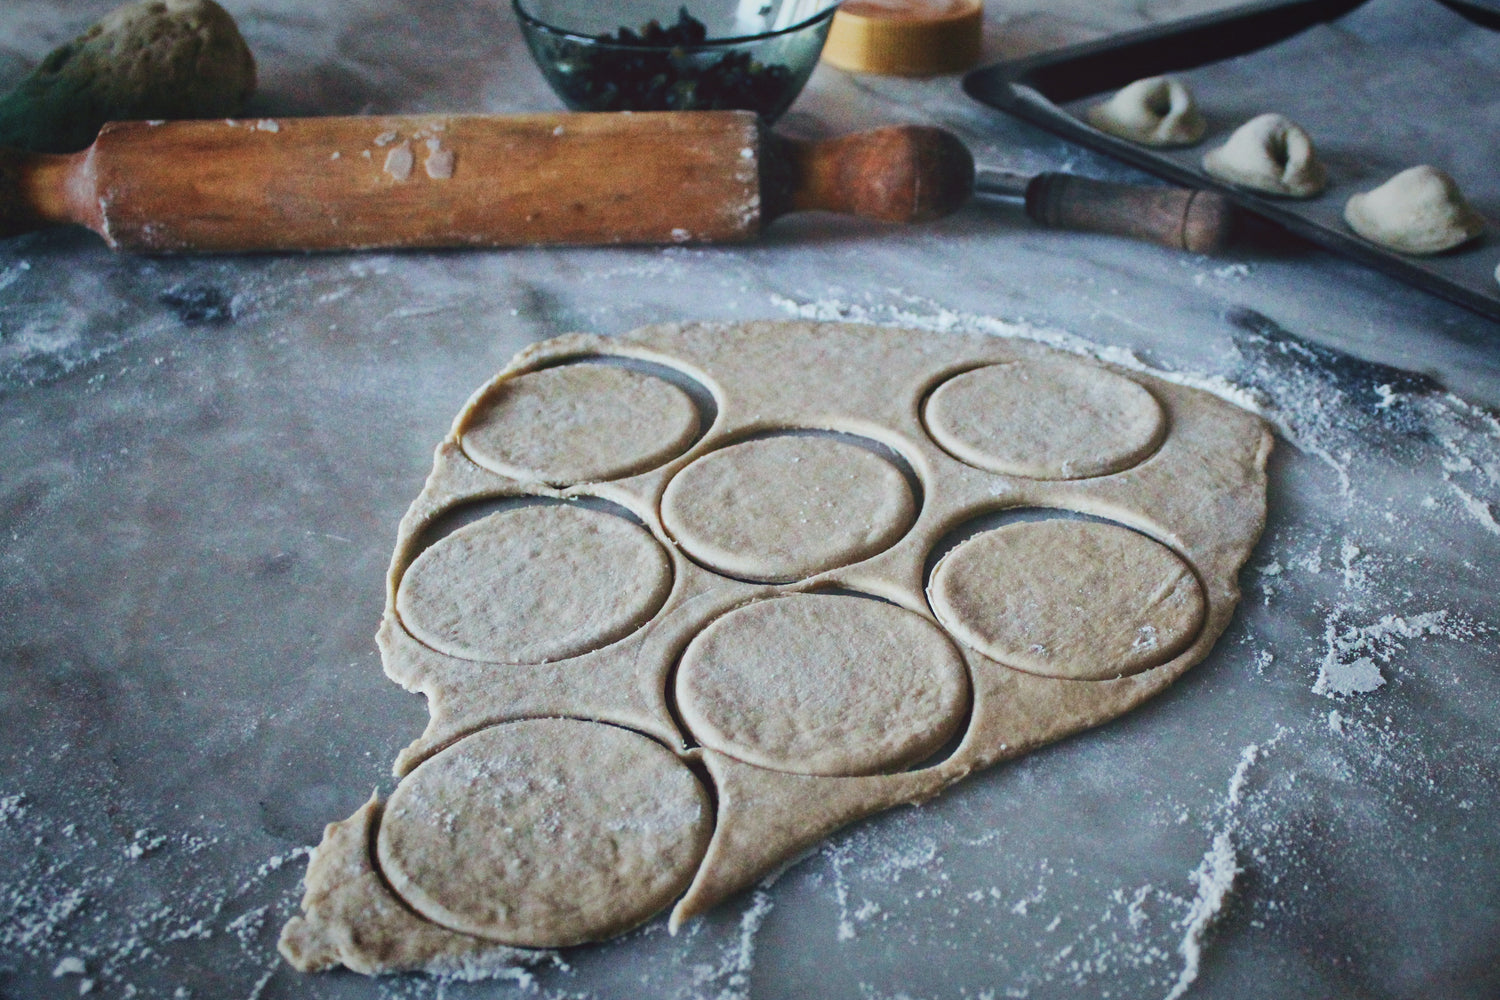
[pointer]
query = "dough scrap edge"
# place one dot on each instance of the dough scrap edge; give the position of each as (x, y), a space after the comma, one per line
(350, 918)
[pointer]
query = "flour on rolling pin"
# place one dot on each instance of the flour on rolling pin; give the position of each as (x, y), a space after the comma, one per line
(398, 162)
(439, 163)
(401, 160)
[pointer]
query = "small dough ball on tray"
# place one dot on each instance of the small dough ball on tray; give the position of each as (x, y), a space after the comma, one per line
(1269, 153)
(1156, 111)
(1418, 211)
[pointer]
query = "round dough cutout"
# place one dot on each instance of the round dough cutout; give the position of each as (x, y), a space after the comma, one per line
(782, 508)
(580, 423)
(545, 833)
(1071, 599)
(534, 584)
(823, 684)
(1045, 420)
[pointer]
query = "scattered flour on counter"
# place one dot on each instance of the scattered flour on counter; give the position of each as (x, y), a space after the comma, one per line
(1477, 508)
(1248, 757)
(730, 977)
(12, 808)
(1359, 676)
(145, 842)
(10, 275)
(1229, 272)
(1215, 876)
(1215, 879)
(121, 916)
(838, 857)
(70, 965)
(1350, 663)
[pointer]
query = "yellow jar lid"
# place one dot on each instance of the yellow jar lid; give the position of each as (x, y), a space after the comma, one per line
(905, 37)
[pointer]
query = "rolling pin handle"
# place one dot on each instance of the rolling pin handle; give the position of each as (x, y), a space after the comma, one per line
(38, 190)
(17, 215)
(1180, 218)
(904, 173)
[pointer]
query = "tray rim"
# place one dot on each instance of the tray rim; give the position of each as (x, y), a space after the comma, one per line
(1015, 87)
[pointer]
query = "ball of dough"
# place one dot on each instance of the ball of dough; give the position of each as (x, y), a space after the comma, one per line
(1269, 153)
(1156, 111)
(1419, 211)
(152, 59)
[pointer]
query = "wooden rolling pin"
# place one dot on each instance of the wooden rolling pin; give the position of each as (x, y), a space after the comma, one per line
(484, 180)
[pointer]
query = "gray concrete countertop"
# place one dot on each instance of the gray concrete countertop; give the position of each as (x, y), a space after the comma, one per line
(205, 460)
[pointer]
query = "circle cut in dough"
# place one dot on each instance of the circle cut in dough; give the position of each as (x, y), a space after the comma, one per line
(782, 508)
(1269, 153)
(580, 423)
(545, 832)
(823, 684)
(534, 584)
(1071, 599)
(1047, 419)
(1418, 211)
(1156, 111)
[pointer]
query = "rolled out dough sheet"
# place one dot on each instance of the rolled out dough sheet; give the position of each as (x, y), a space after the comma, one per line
(861, 578)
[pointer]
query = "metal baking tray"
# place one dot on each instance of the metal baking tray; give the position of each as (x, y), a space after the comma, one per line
(1039, 89)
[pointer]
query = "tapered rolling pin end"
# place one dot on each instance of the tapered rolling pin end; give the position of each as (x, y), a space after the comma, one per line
(43, 189)
(16, 213)
(904, 173)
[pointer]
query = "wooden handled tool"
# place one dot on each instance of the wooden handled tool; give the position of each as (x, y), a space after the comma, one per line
(471, 180)
(1180, 218)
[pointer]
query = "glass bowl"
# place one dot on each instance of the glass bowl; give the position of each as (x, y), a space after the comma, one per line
(638, 55)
